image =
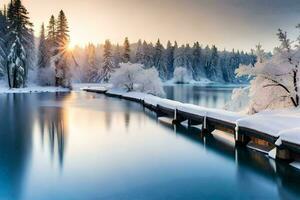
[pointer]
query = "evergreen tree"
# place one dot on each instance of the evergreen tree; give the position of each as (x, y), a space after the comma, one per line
(63, 76)
(92, 70)
(179, 57)
(20, 43)
(45, 77)
(3, 34)
(108, 66)
(51, 35)
(170, 60)
(196, 62)
(126, 54)
(188, 57)
(117, 56)
(139, 52)
(212, 68)
(159, 60)
(43, 60)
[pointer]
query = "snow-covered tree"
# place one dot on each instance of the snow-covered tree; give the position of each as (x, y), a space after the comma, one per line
(20, 44)
(51, 35)
(62, 56)
(92, 69)
(46, 74)
(181, 75)
(117, 56)
(126, 53)
(275, 81)
(3, 34)
(212, 70)
(107, 66)
(198, 68)
(148, 54)
(133, 77)
(169, 60)
(159, 60)
(139, 52)
(239, 100)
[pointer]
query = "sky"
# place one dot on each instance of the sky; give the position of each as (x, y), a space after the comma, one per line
(239, 24)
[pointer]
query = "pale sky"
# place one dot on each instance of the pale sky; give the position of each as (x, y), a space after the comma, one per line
(229, 24)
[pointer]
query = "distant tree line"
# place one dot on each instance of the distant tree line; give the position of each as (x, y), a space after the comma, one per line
(200, 62)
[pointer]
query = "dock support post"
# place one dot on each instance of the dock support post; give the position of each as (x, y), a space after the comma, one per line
(241, 140)
(283, 154)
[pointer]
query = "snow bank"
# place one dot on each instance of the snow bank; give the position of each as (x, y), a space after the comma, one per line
(32, 89)
(271, 122)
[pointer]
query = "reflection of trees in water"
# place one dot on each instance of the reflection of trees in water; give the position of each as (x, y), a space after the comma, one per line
(205, 96)
(52, 123)
(16, 125)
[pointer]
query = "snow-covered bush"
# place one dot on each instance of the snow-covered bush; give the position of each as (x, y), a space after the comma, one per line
(239, 100)
(133, 77)
(275, 81)
(181, 75)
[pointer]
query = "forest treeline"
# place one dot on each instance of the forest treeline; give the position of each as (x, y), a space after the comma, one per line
(49, 61)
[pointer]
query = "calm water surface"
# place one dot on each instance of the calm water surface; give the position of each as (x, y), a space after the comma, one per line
(87, 146)
(211, 96)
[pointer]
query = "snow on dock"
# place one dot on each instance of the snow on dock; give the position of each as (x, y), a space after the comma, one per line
(279, 128)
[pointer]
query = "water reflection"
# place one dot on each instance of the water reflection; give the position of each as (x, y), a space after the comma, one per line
(52, 123)
(259, 165)
(115, 149)
(15, 142)
(208, 96)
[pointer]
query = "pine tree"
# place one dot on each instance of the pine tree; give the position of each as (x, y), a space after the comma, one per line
(93, 72)
(159, 60)
(126, 54)
(3, 34)
(212, 68)
(139, 52)
(148, 54)
(43, 62)
(51, 35)
(20, 43)
(188, 57)
(179, 59)
(62, 73)
(108, 66)
(117, 56)
(170, 60)
(197, 66)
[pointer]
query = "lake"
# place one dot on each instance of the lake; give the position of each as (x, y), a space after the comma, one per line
(87, 146)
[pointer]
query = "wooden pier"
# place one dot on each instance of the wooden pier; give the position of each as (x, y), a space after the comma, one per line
(242, 135)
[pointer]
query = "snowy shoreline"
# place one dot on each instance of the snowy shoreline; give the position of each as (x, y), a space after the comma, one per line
(32, 89)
